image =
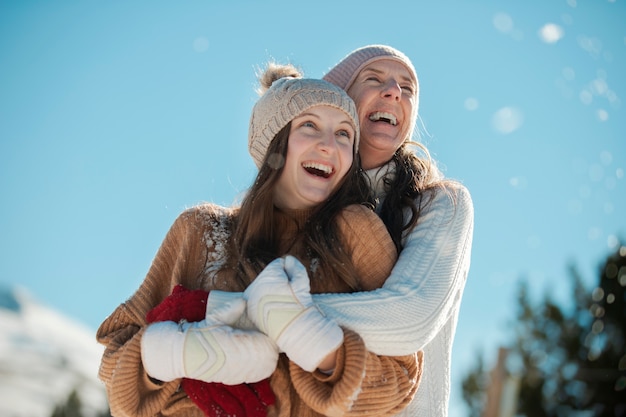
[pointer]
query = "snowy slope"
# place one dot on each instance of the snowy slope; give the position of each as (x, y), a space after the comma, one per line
(43, 357)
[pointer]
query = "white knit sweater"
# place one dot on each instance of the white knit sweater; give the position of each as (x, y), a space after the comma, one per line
(418, 306)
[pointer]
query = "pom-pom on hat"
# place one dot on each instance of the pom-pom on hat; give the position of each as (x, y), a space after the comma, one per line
(287, 98)
(345, 72)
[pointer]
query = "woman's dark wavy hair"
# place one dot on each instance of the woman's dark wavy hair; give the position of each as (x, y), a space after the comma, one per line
(405, 189)
(255, 241)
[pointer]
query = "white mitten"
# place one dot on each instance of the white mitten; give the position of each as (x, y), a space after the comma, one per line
(280, 304)
(209, 350)
(219, 299)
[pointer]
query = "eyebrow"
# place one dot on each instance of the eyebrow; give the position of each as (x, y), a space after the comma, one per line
(347, 118)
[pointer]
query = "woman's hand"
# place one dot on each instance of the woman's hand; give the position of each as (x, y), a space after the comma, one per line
(209, 350)
(280, 305)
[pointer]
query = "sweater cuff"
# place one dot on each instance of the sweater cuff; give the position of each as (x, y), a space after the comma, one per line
(337, 391)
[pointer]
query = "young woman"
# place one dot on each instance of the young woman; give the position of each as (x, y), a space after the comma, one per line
(305, 202)
(430, 219)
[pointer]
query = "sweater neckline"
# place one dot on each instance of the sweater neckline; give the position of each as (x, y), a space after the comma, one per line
(376, 177)
(299, 216)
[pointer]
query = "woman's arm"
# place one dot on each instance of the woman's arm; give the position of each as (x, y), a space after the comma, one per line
(424, 287)
(130, 390)
(363, 384)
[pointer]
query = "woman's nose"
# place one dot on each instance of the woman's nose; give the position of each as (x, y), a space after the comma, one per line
(392, 89)
(327, 141)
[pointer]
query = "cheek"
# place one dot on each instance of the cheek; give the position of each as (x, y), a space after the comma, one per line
(290, 166)
(291, 157)
(408, 114)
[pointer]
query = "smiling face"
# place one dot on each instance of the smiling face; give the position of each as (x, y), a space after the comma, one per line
(320, 152)
(386, 95)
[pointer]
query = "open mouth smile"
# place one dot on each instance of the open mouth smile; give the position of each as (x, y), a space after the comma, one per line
(318, 169)
(380, 116)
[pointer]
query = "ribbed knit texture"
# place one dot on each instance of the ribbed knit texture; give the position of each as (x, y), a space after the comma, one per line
(418, 306)
(188, 256)
(286, 99)
(344, 72)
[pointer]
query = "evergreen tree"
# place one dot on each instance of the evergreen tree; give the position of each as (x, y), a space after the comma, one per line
(569, 361)
(603, 364)
(73, 408)
(474, 388)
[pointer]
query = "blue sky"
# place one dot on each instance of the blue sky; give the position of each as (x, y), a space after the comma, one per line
(115, 116)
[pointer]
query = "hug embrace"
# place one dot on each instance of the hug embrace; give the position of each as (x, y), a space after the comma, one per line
(332, 290)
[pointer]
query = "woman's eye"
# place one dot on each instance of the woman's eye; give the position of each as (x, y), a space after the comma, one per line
(308, 124)
(344, 135)
(408, 89)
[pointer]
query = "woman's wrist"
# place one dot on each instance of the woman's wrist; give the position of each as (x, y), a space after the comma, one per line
(328, 364)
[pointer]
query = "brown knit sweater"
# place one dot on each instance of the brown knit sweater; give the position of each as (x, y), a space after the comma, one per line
(192, 255)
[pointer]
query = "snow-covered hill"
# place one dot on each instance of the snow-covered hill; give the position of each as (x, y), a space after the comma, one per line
(43, 357)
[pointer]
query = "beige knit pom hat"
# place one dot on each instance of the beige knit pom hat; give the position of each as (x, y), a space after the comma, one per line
(345, 72)
(287, 98)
